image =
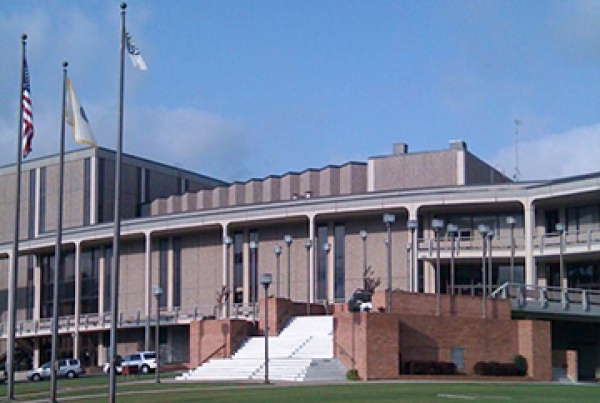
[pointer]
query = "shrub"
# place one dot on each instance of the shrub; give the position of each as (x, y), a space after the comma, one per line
(352, 375)
(429, 368)
(521, 364)
(493, 368)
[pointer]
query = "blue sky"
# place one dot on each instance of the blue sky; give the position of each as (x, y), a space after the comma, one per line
(244, 89)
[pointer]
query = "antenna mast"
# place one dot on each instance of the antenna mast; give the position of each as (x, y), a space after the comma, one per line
(517, 174)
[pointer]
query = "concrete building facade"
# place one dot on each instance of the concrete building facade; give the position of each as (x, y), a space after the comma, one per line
(196, 236)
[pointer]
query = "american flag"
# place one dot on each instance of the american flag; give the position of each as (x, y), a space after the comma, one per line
(27, 113)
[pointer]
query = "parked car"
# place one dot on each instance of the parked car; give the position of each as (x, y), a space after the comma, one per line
(143, 362)
(67, 368)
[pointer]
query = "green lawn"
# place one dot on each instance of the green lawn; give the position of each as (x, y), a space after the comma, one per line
(144, 390)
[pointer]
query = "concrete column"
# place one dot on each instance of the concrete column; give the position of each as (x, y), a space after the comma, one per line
(227, 277)
(529, 224)
(36, 353)
(101, 356)
(311, 236)
(37, 284)
(413, 239)
(77, 298)
(147, 288)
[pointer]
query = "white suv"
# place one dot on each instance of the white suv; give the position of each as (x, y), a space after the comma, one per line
(143, 361)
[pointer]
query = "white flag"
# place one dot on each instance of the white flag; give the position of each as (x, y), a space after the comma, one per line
(76, 118)
(134, 54)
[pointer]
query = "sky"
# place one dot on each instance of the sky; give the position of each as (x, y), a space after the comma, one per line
(246, 89)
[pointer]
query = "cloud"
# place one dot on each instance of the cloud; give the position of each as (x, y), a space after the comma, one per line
(189, 138)
(572, 152)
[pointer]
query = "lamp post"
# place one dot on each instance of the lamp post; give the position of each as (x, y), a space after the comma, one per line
(560, 228)
(157, 291)
(326, 249)
(389, 219)
(412, 226)
(266, 280)
(228, 241)
(510, 220)
(253, 277)
(490, 236)
(408, 254)
(308, 245)
(437, 226)
(483, 230)
(277, 251)
(363, 236)
(452, 230)
(288, 241)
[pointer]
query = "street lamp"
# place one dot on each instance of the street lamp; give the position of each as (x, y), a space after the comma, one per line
(326, 249)
(308, 245)
(452, 230)
(288, 241)
(266, 280)
(389, 219)
(253, 277)
(490, 236)
(412, 226)
(228, 241)
(437, 226)
(277, 252)
(560, 228)
(510, 220)
(157, 291)
(408, 254)
(363, 236)
(483, 230)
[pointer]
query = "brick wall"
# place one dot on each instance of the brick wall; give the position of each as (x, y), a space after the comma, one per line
(281, 310)
(216, 338)
(377, 344)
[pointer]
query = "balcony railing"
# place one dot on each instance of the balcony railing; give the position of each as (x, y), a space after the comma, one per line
(102, 321)
(584, 238)
(467, 244)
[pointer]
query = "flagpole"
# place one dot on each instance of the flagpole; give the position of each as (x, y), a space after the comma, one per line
(58, 246)
(12, 274)
(114, 284)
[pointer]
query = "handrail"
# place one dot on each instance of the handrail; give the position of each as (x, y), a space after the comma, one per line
(500, 290)
(343, 350)
(211, 355)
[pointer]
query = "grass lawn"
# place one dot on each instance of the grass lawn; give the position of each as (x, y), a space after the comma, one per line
(144, 390)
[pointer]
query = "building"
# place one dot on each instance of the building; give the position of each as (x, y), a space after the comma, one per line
(196, 236)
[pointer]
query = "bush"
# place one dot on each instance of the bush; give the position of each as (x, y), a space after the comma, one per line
(352, 375)
(521, 364)
(429, 368)
(493, 368)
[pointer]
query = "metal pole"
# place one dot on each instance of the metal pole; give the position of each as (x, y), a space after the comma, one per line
(288, 241)
(483, 275)
(58, 246)
(413, 263)
(562, 259)
(308, 245)
(267, 333)
(114, 311)
(512, 253)
(363, 235)
(12, 274)
(437, 275)
(389, 267)
(490, 267)
(157, 340)
(278, 258)
(452, 268)
(408, 254)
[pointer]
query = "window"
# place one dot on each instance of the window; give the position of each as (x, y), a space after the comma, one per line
(339, 267)
(457, 357)
(107, 277)
(30, 297)
(253, 272)
(163, 270)
(42, 223)
(322, 262)
(238, 268)
(89, 281)
(87, 180)
(176, 271)
(31, 206)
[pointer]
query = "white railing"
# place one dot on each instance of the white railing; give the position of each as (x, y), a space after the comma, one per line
(586, 238)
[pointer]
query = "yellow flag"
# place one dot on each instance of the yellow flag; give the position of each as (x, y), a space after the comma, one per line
(77, 119)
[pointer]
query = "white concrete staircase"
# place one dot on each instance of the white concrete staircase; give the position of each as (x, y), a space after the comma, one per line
(302, 351)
